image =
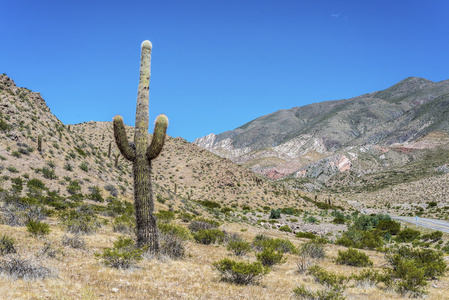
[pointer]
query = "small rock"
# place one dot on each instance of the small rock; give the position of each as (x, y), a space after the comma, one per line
(114, 290)
(434, 286)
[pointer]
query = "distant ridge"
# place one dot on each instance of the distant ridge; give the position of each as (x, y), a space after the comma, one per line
(288, 141)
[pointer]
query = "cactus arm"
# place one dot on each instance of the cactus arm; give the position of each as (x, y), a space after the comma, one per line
(122, 140)
(160, 128)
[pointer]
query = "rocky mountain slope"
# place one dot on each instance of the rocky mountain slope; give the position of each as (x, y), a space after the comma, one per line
(365, 134)
(84, 157)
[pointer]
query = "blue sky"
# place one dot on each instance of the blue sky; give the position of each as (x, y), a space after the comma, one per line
(217, 65)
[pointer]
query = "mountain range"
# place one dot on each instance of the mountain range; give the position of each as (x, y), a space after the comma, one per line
(368, 134)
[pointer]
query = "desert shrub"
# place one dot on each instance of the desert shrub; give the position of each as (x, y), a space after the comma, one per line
(361, 239)
(390, 226)
(116, 207)
(80, 152)
(407, 235)
(302, 292)
(84, 166)
(17, 268)
(433, 236)
(432, 204)
(270, 256)
(124, 224)
(354, 258)
(36, 183)
(68, 167)
(368, 222)
(175, 230)
(49, 173)
(210, 204)
(338, 220)
(413, 267)
(208, 236)
(18, 213)
(313, 250)
(239, 247)
(186, 217)
(240, 272)
(262, 241)
(172, 246)
(74, 187)
(80, 221)
(329, 279)
(123, 255)
(202, 223)
(307, 235)
(226, 210)
(275, 214)
(7, 245)
(37, 228)
(372, 277)
(111, 189)
(412, 279)
(95, 194)
(430, 261)
(285, 228)
(75, 241)
(165, 216)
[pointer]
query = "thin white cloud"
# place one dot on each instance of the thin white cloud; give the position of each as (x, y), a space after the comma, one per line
(335, 15)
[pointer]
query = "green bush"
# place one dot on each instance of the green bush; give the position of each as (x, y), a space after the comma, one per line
(413, 267)
(361, 239)
(407, 235)
(239, 247)
(176, 230)
(312, 249)
(165, 216)
(123, 255)
(74, 187)
(368, 222)
(285, 228)
(354, 258)
(270, 256)
(390, 226)
(186, 217)
(124, 224)
(307, 235)
(210, 204)
(7, 245)
(301, 292)
(95, 194)
(275, 214)
(84, 166)
(329, 279)
(433, 236)
(203, 223)
(80, 221)
(171, 245)
(208, 236)
(262, 241)
(240, 272)
(338, 220)
(37, 228)
(36, 183)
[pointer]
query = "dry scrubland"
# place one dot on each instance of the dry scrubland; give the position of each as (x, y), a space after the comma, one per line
(77, 274)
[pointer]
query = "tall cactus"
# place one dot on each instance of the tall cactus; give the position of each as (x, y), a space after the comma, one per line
(141, 155)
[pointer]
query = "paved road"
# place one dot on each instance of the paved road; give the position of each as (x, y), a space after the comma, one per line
(425, 222)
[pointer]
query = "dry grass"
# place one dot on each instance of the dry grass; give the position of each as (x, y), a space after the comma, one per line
(81, 276)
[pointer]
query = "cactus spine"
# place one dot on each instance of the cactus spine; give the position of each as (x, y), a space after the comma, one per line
(141, 155)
